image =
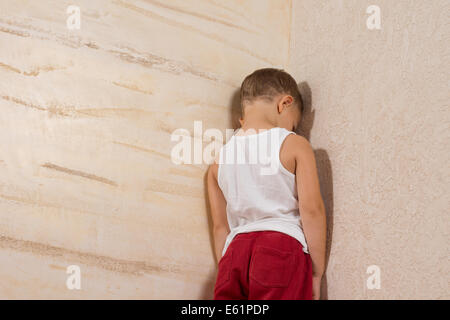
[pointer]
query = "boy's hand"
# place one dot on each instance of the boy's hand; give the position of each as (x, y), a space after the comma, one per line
(316, 284)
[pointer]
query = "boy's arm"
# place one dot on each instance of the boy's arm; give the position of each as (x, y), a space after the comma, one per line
(218, 211)
(312, 209)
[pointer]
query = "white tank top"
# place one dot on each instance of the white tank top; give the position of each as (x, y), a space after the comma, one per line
(260, 193)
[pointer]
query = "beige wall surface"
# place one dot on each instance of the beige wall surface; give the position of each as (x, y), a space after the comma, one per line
(86, 176)
(380, 128)
(86, 117)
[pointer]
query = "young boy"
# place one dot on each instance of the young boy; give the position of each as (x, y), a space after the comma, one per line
(269, 224)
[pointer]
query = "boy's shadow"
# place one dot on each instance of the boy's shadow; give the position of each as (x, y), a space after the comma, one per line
(324, 172)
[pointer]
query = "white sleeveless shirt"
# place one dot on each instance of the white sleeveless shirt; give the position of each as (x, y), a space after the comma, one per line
(261, 194)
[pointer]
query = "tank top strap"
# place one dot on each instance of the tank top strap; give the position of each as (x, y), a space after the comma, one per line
(282, 135)
(270, 146)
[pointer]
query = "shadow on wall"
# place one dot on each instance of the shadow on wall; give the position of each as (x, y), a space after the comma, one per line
(324, 172)
(235, 109)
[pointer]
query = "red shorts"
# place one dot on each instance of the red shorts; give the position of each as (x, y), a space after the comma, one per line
(264, 265)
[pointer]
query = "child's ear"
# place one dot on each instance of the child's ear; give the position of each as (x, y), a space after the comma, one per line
(289, 100)
(241, 121)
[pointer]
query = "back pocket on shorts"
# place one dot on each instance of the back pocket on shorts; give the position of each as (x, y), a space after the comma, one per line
(271, 267)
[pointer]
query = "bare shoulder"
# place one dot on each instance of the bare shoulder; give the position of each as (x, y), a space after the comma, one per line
(214, 167)
(301, 150)
(296, 152)
(212, 170)
(298, 144)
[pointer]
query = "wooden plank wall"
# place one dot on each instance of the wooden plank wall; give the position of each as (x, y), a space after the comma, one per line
(86, 117)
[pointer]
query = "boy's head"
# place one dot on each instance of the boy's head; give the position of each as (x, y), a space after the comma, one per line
(271, 95)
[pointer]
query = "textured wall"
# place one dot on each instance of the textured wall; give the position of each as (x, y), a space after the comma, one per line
(85, 122)
(380, 127)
